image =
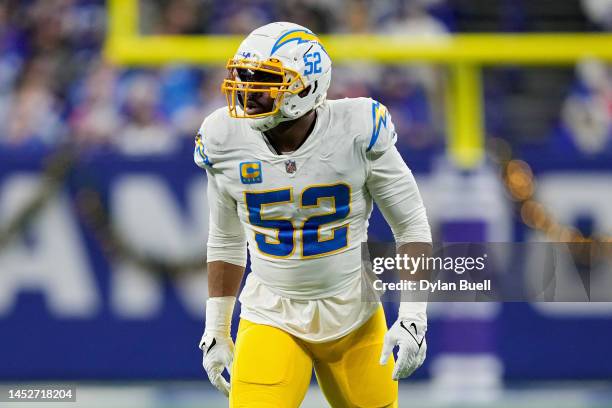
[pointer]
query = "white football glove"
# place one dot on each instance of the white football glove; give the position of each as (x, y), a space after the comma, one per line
(408, 332)
(216, 343)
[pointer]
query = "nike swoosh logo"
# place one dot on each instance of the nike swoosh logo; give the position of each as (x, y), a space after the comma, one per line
(419, 343)
(215, 342)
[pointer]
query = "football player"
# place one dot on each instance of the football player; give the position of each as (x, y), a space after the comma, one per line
(294, 175)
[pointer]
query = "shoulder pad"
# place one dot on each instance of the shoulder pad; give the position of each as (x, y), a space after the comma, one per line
(211, 137)
(369, 122)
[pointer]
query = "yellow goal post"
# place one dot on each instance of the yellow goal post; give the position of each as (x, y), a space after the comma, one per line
(463, 54)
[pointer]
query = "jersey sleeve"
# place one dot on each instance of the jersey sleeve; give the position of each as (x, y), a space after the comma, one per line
(394, 189)
(391, 183)
(226, 238)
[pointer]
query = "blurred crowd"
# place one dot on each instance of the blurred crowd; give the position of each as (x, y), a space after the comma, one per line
(55, 88)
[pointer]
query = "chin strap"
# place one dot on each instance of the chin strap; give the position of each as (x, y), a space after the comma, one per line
(267, 123)
(270, 122)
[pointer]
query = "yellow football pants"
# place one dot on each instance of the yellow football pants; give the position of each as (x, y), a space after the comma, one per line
(272, 369)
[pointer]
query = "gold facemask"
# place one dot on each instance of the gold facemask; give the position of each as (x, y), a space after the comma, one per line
(237, 91)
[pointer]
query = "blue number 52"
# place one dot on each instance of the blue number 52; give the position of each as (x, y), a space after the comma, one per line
(312, 61)
(283, 243)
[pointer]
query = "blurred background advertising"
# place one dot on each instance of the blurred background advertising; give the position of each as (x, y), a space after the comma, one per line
(504, 113)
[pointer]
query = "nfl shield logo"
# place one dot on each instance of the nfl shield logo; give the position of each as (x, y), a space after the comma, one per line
(290, 166)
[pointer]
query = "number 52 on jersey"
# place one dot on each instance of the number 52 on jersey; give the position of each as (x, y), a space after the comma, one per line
(286, 230)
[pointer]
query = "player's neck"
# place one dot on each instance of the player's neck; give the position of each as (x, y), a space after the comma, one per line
(289, 136)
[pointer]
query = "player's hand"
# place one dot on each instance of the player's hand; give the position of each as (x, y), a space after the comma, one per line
(218, 355)
(216, 342)
(409, 335)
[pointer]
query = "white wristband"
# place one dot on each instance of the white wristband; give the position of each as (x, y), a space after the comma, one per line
(411, 309)
(219, 311)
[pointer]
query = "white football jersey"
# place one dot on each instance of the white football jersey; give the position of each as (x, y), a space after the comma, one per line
(305, 214)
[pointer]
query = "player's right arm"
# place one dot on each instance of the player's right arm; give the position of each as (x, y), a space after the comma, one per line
(226, 256)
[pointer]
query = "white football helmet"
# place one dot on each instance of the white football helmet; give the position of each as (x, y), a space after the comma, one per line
(296, 71)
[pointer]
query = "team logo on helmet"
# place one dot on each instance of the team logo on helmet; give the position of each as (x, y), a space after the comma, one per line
(301, 36)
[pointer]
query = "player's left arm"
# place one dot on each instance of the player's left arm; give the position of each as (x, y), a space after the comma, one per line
(394, 189)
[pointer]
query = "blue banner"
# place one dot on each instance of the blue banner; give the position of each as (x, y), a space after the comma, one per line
(75, 306)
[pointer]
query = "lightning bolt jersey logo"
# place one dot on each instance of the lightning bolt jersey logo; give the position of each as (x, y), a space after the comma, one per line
(199, 154)
(379, 120)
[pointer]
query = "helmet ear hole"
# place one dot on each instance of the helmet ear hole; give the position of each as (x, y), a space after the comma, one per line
(304, 92)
